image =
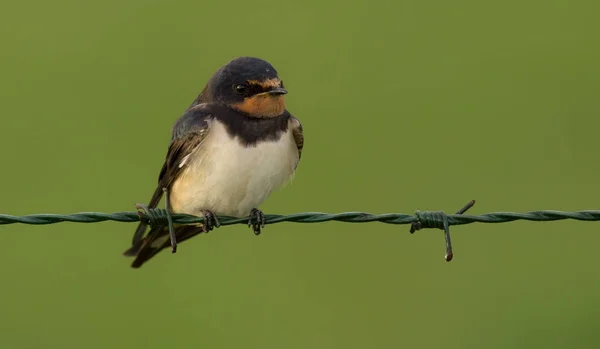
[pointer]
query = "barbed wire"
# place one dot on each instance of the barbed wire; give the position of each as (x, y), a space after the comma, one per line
(419, 220)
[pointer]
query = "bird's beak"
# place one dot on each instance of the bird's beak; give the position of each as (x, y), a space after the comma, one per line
(278, 91)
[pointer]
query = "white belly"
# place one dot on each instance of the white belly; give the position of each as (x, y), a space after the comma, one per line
(229, 179)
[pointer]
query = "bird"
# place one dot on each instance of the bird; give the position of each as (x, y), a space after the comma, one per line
(232, 147)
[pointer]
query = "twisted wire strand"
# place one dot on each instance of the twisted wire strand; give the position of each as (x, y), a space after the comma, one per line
(418, 221)
(308, 217)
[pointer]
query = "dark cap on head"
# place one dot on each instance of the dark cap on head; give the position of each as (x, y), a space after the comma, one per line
(246, 68)
(239, 71)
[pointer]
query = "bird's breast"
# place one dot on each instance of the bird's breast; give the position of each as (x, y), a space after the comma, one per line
(230, 178)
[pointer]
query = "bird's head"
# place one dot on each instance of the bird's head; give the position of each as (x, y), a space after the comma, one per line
(249, 85)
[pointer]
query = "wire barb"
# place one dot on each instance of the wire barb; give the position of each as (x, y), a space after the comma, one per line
(438, 220)
(170, 221)
(158, 218)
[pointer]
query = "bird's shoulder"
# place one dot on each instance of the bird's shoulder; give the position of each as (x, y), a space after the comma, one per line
(188, 133)
(294, 122)
(197, 119)
(295, 126)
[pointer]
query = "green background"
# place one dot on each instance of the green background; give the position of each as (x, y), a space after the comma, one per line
(405, 105)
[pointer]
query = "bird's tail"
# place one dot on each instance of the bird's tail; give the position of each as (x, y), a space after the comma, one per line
(157, 239)
(136, 244)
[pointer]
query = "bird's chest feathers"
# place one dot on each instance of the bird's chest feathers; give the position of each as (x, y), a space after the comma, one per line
(263, 161)
(230, 177)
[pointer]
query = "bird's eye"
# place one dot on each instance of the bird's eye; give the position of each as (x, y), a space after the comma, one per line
(239, 89)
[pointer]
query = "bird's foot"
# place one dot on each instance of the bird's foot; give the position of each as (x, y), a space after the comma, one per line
(210, 221)
(256, 220)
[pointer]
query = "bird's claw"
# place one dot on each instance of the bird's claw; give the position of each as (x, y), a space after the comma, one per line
(256, 220)
(210, 221)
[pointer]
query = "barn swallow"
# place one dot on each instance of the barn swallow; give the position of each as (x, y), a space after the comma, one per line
(230, 149)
